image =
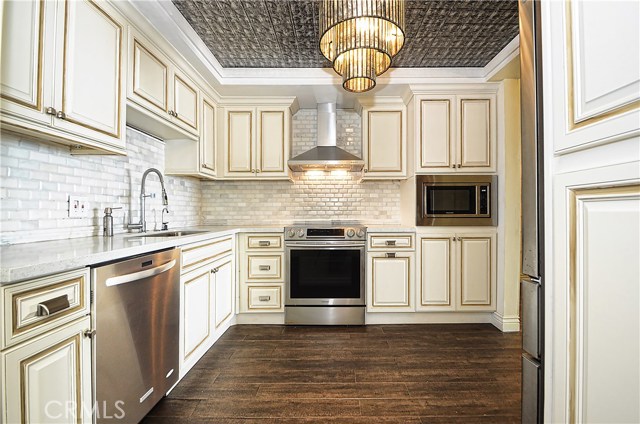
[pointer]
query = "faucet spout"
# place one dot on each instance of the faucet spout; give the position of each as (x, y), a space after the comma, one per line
(142, 225)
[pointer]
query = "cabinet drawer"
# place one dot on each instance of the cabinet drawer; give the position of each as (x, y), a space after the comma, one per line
(264, 241)
(264, 297)
(198, 254)
(391, 241)
(37, 306)
(264, 267)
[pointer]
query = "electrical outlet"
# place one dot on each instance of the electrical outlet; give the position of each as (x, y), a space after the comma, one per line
(78, 207)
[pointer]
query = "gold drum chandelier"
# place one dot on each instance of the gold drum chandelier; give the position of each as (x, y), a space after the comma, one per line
(360, 38)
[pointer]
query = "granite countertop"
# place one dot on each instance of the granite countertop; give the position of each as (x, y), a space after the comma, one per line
(31, 260)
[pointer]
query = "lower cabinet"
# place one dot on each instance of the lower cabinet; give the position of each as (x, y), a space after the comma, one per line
(457, 271)
(390, 272)
(48, 378)
(261, 262)
(207, 297)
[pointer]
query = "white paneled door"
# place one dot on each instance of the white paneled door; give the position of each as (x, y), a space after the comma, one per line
(591, 57)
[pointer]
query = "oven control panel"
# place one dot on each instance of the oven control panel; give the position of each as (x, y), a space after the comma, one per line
(325, 233)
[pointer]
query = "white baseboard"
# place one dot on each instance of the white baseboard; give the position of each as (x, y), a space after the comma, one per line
(428, 318)
(270, 319)
(505, 324)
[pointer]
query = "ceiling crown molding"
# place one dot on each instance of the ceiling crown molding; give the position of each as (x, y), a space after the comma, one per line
(167, 20)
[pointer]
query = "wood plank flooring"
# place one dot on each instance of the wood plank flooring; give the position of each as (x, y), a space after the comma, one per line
(454, 373)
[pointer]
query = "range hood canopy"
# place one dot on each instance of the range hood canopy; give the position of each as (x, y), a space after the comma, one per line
(326, 156)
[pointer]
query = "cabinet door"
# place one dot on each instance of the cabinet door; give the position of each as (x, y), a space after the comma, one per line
(196, 319)
(239, 142)
(89, 96)
(390, 282)
(185, 102)
(22, 64)
(436, 132)
(208, 138)
(477, 133)
(149, 76)
(273, 142)
(48, 379)
(436, 266)
(384, 149)
(223, 291)
(476, 271)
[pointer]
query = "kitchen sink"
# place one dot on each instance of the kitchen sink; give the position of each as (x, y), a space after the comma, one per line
(171, 233)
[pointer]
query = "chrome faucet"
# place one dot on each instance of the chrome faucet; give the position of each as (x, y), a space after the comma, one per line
(142, 225)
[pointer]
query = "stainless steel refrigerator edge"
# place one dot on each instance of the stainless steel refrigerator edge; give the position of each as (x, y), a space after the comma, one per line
(135, 316)
(532, 284)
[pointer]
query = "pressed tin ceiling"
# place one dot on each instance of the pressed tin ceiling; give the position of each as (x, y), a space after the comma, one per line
(284, 33)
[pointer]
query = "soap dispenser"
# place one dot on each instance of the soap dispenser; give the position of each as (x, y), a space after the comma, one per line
(107, 221)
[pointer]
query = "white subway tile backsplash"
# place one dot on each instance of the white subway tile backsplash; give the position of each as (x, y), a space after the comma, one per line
(38, 177)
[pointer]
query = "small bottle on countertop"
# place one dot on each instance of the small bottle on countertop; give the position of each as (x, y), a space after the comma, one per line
(107, 221)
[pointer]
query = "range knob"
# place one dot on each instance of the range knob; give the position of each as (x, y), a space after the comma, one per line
(291, 232)
(300, 232)
(351, 232)
(360, 232)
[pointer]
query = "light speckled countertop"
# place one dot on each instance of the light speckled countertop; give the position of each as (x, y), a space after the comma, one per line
(20, 262)
(30, 260)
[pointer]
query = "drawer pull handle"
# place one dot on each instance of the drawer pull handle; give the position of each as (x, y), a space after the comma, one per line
(52, 306)
(264, 267)
(390, 242)
(264, 298)
(390, 255)
(264, 243)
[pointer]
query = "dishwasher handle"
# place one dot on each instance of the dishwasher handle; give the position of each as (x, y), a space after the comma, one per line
(135, 276)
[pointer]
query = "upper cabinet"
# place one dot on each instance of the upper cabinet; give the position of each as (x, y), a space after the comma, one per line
(257, 141)
(62, 73)
(455, 132)
(156, 88)
(384, 139)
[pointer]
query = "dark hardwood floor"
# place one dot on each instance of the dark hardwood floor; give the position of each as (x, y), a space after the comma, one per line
(467, 373)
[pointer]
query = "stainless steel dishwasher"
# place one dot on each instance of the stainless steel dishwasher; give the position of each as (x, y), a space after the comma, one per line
(135, 315)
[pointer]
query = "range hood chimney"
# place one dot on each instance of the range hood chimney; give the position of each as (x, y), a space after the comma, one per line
(326, 155)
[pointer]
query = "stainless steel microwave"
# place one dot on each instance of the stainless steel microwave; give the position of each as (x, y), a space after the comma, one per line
(456, 200)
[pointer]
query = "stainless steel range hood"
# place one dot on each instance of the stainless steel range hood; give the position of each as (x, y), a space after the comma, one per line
(326, 156)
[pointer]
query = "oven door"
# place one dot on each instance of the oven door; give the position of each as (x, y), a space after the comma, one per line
(325, 273)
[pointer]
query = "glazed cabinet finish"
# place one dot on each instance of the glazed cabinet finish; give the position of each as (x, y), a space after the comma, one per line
(457, 271)
(161, 89)
(456, 133)
(207, 298)
(256, 142)
(384, 130)
(49, 377)
(261, 262)
(55, 84)
(390, 272)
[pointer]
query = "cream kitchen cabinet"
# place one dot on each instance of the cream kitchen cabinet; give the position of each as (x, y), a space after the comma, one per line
(457, 271)
(456, 132)
(384, 135)
(261, 272)
(62, 73)
(196, 158)
(45, 353)
(256, 142)
(390, 272)
(155, 85)
(207, 297)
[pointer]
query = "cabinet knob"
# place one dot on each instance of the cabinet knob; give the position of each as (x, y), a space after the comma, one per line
(258, 171)
(172, 113)
(365, 170)
(61, 115)
(50, 111)
(89, 333)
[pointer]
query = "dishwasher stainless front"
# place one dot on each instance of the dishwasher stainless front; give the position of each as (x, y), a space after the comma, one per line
(135, 315)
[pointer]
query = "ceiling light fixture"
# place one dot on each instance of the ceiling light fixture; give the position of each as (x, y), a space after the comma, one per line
(360, 38)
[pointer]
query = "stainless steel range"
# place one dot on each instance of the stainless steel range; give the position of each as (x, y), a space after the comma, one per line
(324, 282)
